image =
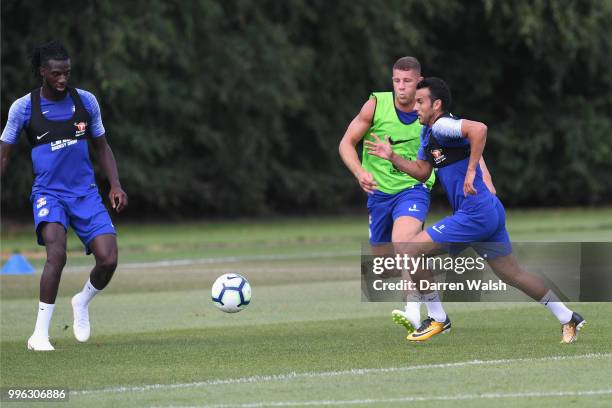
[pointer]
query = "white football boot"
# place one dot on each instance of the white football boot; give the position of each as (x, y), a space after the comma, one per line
(80, 326)
(39, 344)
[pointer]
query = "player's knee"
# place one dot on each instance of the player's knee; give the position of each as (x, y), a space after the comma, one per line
(56, 256)
(104, 270)
(107, 261)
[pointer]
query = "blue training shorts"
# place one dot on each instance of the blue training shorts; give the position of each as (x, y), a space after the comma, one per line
(384, 209)
(86, 215)
(481, 227)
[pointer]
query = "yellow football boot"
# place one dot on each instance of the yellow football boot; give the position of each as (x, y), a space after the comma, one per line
(569, 330)
(430, 328)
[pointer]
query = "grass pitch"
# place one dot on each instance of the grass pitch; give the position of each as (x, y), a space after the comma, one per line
(306, 339)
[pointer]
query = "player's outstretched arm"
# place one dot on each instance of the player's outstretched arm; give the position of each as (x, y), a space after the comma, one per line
(117, 197)
(476, 133)
(419, 169)
(353, 135)
(5, 155)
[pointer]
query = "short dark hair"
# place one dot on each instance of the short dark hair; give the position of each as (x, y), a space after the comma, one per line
(45, 52)
(408, 64)
(437, 90)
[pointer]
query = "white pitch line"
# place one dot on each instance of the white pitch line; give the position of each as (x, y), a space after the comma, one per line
(322, 374)
(460, 397)
(227, 259)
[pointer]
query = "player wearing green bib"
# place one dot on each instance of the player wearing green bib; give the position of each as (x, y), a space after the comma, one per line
(403, 130)
(397, 203)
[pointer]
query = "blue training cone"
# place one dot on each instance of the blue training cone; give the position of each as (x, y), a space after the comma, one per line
(17, 265)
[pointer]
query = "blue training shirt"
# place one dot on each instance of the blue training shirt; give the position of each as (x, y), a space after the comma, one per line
(447, 131)
(63, 169)
(407, 117)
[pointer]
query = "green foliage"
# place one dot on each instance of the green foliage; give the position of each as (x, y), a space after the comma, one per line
(237, 107)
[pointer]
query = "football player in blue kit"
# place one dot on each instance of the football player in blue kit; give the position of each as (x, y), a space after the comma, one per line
(59, 122)
(454, 147)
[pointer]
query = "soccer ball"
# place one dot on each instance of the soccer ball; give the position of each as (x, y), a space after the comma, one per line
(231, 292)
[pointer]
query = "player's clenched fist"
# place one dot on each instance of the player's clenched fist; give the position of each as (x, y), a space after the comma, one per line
(366, 181)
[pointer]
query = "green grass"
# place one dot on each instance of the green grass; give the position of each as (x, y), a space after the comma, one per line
(177, 337)
(155, 326)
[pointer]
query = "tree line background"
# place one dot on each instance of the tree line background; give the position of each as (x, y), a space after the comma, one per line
(236, 107)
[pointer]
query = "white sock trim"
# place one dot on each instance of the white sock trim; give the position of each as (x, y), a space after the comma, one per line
(546, 298)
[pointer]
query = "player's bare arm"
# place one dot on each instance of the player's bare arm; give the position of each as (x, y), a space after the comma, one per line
(486, 176)
(419, 169)
(353, 135)
(476, 133)
(5, 154)
(117, 197)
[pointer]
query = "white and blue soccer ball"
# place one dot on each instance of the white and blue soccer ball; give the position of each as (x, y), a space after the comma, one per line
(231, 292)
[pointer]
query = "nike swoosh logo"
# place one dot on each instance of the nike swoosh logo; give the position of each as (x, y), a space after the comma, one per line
(421, 334)
(45, 112)
(394, 142)
(41, 136)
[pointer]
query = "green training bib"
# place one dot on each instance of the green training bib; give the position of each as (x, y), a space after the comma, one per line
(405, 141)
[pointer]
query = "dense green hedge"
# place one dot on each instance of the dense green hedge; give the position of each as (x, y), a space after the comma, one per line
(237, 107)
